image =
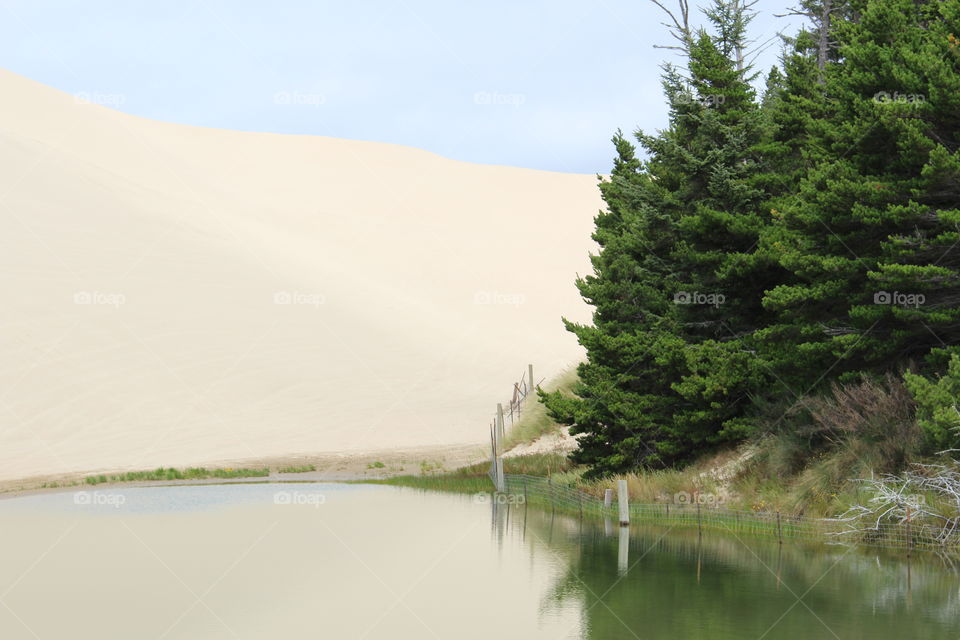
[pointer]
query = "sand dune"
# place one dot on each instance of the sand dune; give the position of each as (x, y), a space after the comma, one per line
(177, 295)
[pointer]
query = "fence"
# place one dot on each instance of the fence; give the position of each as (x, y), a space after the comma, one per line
(904, 535)
(498, 430)
(907, 535)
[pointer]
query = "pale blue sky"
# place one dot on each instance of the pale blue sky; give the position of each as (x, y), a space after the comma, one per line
(541, 83)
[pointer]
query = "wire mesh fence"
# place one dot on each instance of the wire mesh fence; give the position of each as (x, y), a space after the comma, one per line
(784, 527)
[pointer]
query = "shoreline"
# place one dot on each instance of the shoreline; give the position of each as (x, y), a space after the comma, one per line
(329, 467)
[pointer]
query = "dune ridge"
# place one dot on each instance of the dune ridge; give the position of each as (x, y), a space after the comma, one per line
(178, 295)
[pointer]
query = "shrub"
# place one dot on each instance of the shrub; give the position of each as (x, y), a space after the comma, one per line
(936, 400)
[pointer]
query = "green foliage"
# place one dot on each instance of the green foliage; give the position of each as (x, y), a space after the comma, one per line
(774, 247)
(297, 469)
(191, 473)
(936, 400)
(678, 283)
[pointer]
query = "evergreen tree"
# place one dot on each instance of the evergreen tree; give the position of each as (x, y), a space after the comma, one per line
(871, 236)
(678, 283)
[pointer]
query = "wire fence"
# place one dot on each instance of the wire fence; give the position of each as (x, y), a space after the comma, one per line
(903, 535)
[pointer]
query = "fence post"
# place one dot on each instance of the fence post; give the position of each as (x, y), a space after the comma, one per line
(909, 534)
(624, 503)
(699, 519)
(501, 483)
(779, 528)
(503, 431)
(607, 498)
(533, 387)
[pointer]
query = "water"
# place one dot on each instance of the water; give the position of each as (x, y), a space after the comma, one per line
(348, 561)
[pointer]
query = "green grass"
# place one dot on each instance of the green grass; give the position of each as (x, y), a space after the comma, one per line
(297, 469)
(376, 465)
(474, 478)
(190, 473)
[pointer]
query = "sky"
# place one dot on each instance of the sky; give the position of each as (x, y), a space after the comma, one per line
(541, 84)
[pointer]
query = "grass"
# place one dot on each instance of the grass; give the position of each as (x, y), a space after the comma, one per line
(297, 469)
(474, 478)
(534, 421)
(190, 473)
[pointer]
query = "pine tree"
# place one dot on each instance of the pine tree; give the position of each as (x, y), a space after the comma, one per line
(678, 283)
(871, 235)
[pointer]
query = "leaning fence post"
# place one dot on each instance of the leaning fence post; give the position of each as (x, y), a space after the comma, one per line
(624, 503)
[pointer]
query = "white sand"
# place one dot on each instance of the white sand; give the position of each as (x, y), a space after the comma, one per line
(182, 239)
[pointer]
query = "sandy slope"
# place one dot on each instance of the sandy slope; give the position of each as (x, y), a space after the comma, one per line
(175, 295)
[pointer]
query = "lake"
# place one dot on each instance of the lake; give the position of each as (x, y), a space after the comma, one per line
(362, 561)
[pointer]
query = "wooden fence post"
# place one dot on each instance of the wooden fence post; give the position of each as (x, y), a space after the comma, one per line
(624, 503)
(503, 431)
(607, 498)
(779, 528)
(909, 534)
(501, 484)
(699, 519)
(533, 387)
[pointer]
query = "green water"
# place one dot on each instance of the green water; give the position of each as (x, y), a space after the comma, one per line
(658, 583)
(338, 561)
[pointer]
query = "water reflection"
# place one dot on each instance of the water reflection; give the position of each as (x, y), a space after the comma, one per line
(270, 561)
(674, 583)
